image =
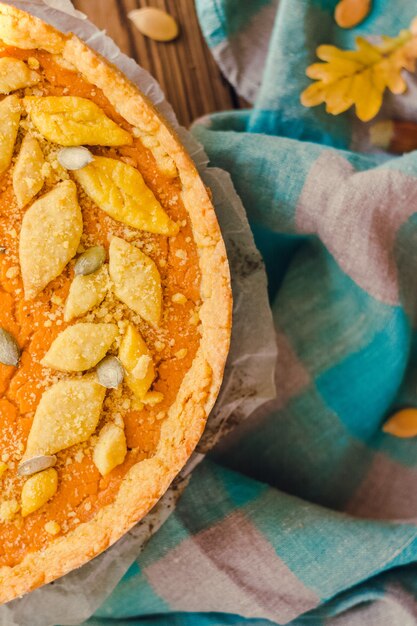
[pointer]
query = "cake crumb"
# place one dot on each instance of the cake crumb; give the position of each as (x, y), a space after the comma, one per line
(181, 254)
(79, 456)
(52, 528)
(141, 368)
(33, 63)
(8, 510)
(179, 298)
(56, 299)
(194, 318)
(153, 397)
(12, 272)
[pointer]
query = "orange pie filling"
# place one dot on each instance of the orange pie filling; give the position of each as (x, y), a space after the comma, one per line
(99, 299)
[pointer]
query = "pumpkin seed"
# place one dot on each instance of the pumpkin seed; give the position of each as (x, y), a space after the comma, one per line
(9, 349)
(402, 424)
(3, 250)
(90, 261)
(74, 158)
(155, 23)
(36, 464)
(110, 372)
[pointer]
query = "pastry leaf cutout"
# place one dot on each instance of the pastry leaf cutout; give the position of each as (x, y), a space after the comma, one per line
(49, 238)
(86, 292)
(10, 110)
(110, 449)
(119, 190)
(361, 77)
(28, 178)
(80, 347)
(136, 280)
(38, 489)
(137, 361)
(74, 121)
(14, 74)
(68, 413)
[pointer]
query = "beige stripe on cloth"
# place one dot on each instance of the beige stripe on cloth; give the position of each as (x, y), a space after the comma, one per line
(388, 491)
(215, 570)
(291, 379)
(357, 216)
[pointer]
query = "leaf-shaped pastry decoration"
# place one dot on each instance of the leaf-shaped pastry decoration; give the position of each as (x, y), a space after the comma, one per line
(86, 292)
(15, 74)
(119, 189)
(110, 449)
(73, 121)
(136, 280)
(10, 110)
(27, 174)
(137, 361)
(80, 347)
(360, 77)
(49, 238)
(38, 489)
(68, 413)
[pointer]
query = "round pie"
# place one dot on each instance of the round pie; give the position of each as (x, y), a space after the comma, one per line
(115, 304)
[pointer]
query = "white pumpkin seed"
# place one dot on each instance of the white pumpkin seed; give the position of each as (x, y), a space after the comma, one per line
(74, 158)
(110, 372)
(3, 250)
(154, 23)
(9, 349)
(90, 261)
(36, 464)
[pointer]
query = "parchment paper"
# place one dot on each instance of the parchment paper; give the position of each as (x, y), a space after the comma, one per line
(249, 376)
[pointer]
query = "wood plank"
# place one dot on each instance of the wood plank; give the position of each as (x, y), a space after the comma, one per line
(184, 68)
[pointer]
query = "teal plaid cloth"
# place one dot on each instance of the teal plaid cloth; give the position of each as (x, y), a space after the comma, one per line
(306, 514)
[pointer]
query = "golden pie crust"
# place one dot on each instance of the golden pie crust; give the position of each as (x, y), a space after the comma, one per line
(55, 539)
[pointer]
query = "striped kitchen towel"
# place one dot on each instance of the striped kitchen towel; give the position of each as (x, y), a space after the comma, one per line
(308, 513)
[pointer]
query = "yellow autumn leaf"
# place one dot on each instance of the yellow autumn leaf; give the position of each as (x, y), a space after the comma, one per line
(360, 77)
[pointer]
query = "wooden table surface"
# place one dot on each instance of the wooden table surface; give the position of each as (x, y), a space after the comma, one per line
(184, 68)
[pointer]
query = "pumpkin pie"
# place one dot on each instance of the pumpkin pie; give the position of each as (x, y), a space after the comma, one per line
(115, 304)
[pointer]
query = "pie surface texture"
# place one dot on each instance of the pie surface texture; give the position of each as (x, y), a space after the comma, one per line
(115, 304)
